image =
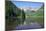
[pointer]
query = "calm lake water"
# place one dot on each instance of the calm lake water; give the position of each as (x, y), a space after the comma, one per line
(28, 24)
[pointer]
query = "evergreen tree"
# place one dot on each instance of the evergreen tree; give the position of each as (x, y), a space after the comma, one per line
(11, 12)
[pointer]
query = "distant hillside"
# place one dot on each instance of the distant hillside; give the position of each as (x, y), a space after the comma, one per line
(39, 12)
(10, 7)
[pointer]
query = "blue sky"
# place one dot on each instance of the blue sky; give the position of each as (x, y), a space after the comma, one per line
(27, 4)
